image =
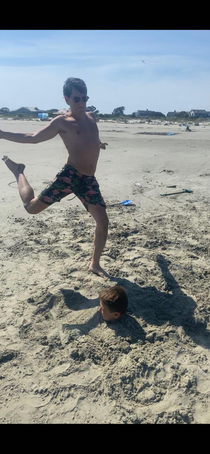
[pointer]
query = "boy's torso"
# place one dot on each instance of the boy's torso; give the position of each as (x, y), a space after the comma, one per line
(81, 138)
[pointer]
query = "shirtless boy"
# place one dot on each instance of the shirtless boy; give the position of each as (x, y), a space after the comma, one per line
(80, 135)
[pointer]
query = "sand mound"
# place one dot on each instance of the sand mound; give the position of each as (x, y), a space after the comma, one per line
(60, 362)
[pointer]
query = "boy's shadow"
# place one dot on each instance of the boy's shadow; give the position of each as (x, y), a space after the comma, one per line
(154, 306)
(157, 307)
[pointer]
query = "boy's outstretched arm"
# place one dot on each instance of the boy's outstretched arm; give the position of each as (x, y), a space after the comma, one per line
(47, 133)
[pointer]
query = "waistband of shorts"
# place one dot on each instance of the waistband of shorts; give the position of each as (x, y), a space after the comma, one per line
(70, 167)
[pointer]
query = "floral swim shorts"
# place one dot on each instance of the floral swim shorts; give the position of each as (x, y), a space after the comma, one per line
(69, 181)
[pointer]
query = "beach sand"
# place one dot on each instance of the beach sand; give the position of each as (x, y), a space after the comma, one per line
(59, 361)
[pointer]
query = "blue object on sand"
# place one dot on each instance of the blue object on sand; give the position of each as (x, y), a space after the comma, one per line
(170, 133)
(126, 202)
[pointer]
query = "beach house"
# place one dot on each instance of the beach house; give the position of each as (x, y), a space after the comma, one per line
(199, 113)
(28, 110)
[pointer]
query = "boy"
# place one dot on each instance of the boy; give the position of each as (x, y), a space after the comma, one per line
(113, 303)
(80, 135)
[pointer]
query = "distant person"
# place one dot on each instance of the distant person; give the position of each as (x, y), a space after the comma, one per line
(113, 303)
(80, 135)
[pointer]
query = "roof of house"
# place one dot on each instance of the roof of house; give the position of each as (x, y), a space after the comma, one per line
(62, 112)
(198, 110)
(29, 109)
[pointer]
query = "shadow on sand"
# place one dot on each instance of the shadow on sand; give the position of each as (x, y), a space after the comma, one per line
(153, 306)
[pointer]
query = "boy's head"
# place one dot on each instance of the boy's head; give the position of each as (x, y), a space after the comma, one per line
(73, 83)
(75, 94)
(113, 303)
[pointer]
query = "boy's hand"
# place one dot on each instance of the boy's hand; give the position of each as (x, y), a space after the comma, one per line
(103, 145)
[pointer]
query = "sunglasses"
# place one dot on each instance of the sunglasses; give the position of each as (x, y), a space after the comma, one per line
(78, 98)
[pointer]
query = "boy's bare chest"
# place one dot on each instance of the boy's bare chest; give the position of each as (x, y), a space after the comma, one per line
(83, 131)
(77, 132)
(80, 134)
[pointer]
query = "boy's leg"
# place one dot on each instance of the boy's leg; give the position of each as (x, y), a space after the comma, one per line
(99, 214)
(32, 204)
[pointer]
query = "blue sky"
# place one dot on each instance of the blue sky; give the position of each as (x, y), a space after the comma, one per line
(161, 70)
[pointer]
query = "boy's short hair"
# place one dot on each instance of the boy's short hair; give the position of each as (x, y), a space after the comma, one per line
(77, 84)
(115, 298)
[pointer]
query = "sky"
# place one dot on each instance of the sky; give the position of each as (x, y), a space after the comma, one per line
(161, 70)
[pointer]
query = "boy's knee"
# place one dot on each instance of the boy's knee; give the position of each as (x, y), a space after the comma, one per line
(29, 208)
(35, 206)
(105, 221)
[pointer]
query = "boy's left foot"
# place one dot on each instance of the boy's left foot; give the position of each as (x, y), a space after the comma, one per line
(98, 271)
(15, 168)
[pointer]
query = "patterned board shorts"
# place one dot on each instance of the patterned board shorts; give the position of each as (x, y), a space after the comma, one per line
(69, 181)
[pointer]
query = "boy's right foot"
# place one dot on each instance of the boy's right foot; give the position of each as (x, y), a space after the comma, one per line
(98, 270)
(15, 168)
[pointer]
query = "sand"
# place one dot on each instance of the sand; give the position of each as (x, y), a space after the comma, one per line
(59, 361)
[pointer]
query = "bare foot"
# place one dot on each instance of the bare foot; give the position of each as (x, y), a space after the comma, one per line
(98, 271)
(15, 168)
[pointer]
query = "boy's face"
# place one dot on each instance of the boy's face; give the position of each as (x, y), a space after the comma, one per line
(76, 107)
(107, 315)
